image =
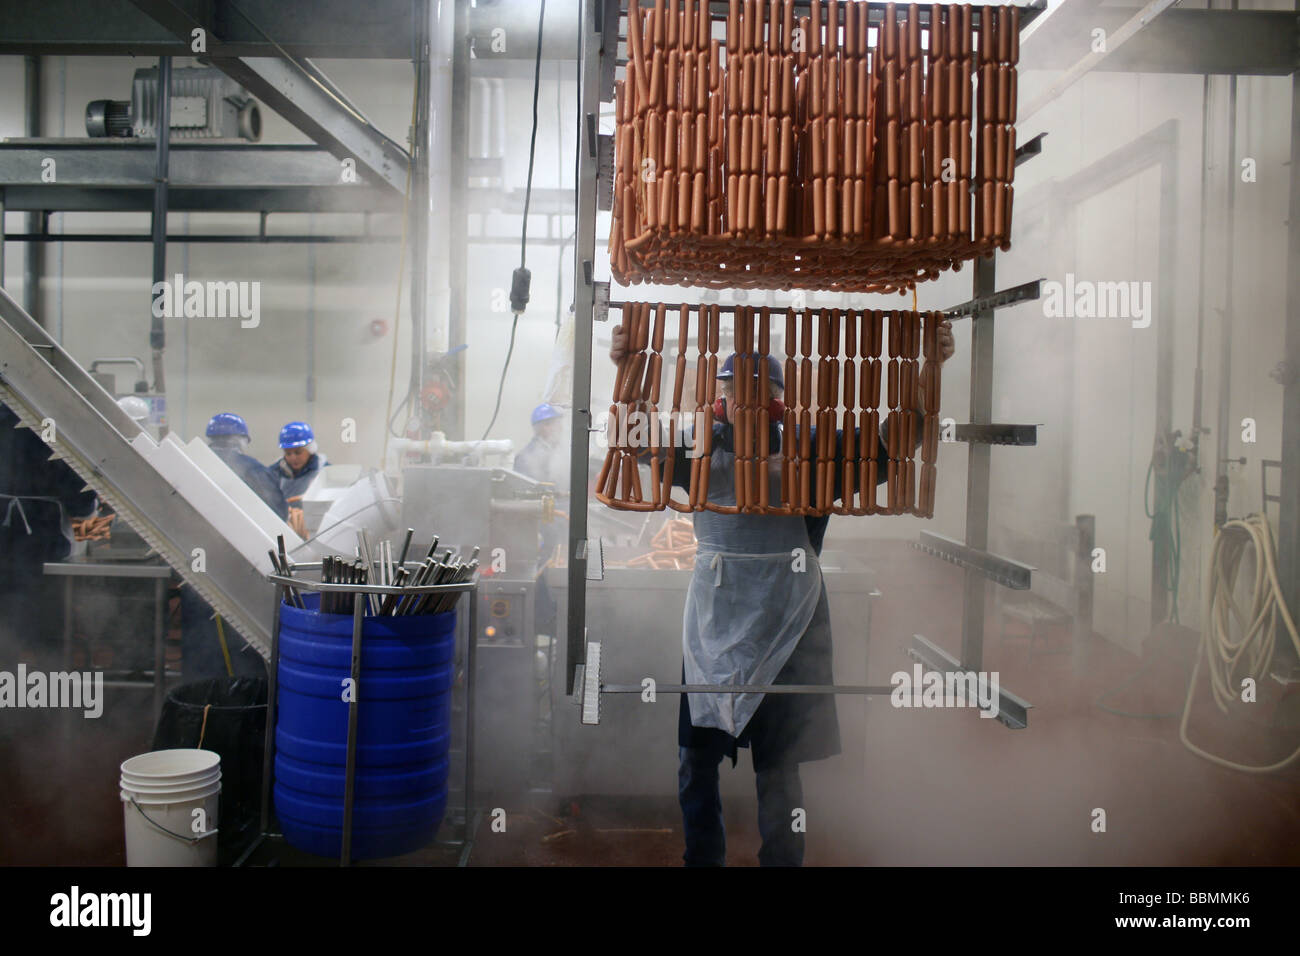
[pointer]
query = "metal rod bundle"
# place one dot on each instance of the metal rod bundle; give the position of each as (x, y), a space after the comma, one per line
(795, 153)
(280, 564)
(376, 567)
(843, 368)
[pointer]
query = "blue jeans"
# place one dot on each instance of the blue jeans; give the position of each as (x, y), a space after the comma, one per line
(779, 793)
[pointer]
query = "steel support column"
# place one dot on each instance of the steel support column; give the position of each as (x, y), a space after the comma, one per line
(593, 13)
(979, 459)
(33, 257)
(1288, 526)
(458, 218)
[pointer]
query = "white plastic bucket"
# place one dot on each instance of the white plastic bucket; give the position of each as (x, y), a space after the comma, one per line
(160, 793)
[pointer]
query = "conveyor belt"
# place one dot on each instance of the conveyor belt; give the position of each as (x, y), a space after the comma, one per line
(120, 461)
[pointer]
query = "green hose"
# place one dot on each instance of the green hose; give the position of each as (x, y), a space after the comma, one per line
(1165, 522)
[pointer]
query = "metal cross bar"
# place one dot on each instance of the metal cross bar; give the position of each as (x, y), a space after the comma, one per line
(1020, 293)
(750, 689)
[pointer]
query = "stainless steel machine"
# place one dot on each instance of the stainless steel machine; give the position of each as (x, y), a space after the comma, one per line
(503, 513)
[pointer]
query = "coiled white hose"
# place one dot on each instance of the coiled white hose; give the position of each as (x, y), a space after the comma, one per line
(1230, 660)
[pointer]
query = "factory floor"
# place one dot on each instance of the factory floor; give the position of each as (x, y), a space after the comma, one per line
(942, 787)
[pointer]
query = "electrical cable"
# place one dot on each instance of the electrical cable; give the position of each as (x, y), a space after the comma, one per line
(520, 280)
(532, 143)
(1252, 653)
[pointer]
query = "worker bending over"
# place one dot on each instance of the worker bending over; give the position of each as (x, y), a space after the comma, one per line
(228, 436)
(755, 614)
(209, 648)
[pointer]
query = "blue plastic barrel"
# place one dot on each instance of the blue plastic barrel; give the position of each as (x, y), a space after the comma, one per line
(403, 730)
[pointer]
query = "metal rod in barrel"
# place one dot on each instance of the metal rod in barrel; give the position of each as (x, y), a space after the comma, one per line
(470, 681)
(350, 771)
(268, 750)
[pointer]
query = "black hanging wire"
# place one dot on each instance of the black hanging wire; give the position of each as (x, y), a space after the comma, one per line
(519, 282)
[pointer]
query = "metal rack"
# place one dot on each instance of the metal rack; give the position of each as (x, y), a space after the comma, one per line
(981, 434)
(283, 583)
(599, 41)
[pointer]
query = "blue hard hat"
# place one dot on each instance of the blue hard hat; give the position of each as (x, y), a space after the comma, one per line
(295, 435)
(226, 423)
(546, 411)
(773, 368)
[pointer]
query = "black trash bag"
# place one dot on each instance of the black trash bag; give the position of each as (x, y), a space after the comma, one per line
(236, 730)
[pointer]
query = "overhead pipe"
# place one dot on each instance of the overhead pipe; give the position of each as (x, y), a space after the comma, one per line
(1225, 338)
(431, 189)
(32, 130)
(157, 331)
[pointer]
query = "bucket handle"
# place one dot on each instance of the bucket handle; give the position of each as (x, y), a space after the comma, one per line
(192, 841)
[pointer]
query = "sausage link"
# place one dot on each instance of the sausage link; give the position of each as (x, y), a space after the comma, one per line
(930, 438)
(1000, 211)
(963, 195)
(684, 185)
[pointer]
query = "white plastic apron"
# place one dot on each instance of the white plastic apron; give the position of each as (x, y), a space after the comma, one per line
(751, 599)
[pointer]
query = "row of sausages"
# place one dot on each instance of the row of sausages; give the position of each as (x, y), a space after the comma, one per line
(854, 351)
(735, 158)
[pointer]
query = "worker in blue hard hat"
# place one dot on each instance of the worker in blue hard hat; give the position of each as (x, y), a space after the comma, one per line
(297, 468)
(756, 614)
(545, 457)
(227, 435)
(210, 648)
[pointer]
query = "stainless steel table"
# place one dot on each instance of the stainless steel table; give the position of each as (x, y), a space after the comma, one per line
(74, 568)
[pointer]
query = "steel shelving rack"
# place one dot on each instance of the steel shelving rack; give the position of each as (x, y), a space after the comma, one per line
(598, 59)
